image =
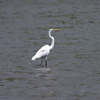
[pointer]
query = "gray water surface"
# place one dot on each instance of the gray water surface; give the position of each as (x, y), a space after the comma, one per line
(73, 71)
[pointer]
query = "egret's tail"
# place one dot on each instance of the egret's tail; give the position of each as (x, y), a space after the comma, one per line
(34, 58)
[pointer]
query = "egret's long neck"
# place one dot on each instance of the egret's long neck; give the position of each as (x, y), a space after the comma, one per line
(53, 40)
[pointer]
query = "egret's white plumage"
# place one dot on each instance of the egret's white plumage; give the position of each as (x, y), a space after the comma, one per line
(45, 50)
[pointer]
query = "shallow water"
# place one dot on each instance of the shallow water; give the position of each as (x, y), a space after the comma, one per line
(73, 71)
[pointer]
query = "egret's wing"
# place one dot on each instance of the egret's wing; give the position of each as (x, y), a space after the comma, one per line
(45, 47)
(41, 52)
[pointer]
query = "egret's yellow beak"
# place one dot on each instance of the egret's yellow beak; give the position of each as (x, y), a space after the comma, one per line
(56, 29)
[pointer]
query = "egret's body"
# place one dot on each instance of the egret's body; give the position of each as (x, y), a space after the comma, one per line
(45, 50)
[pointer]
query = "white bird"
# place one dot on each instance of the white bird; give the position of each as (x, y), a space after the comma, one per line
(45, 50)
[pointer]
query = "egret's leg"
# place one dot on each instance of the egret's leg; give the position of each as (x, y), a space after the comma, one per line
(41, 61)
(46, 62)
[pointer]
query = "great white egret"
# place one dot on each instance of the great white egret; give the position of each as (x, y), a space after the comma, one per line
(45, 50)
